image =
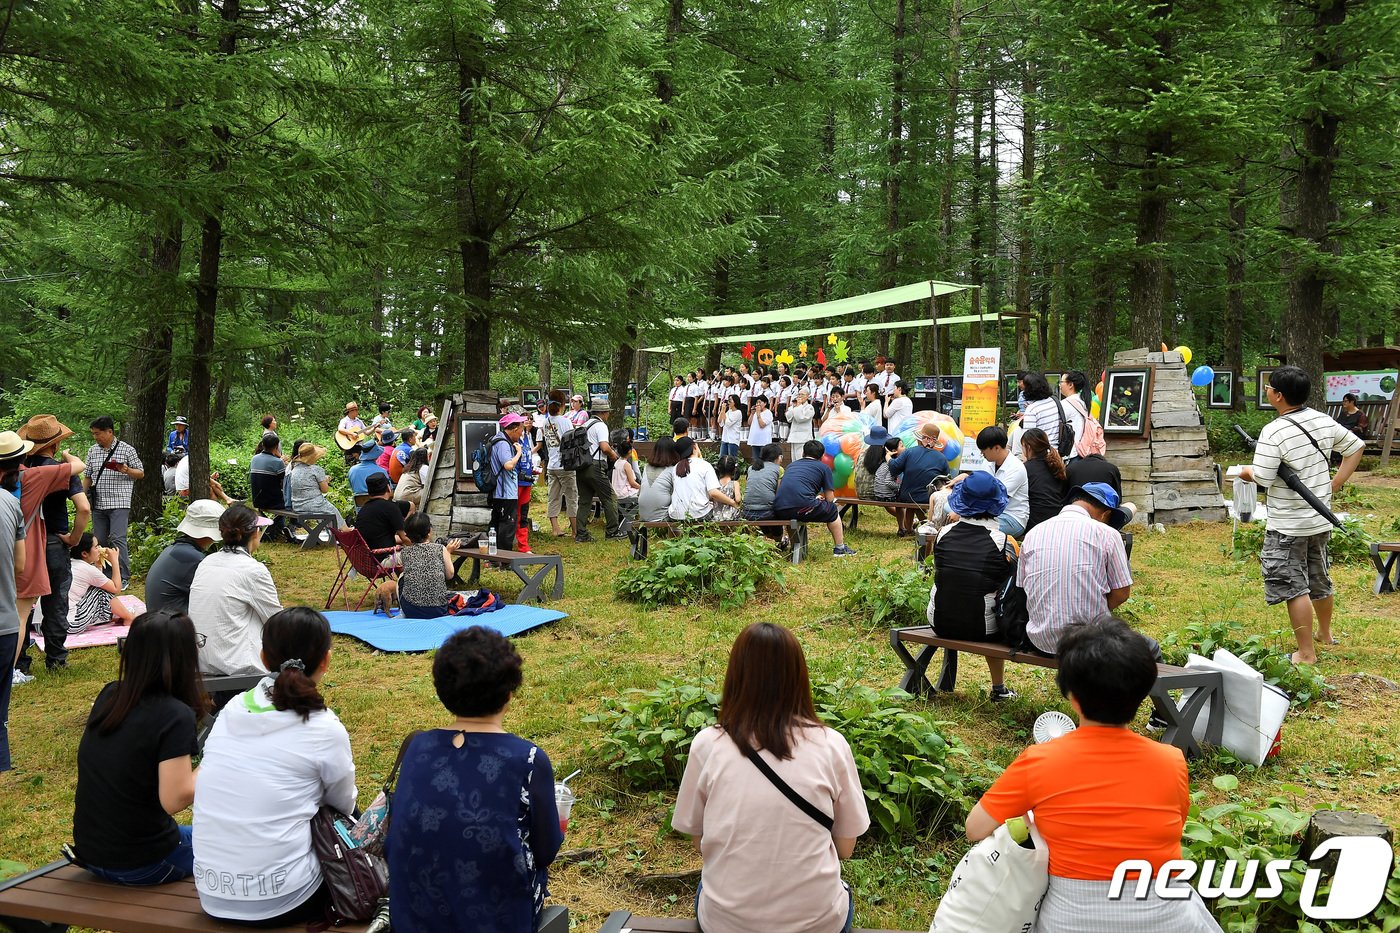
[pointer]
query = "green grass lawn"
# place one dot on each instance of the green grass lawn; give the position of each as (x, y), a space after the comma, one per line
(1341, 750)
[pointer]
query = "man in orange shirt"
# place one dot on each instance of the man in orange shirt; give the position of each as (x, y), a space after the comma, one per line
(1102, 794)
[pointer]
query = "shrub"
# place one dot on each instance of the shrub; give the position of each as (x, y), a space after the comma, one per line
(1263, 653)
(145, 540)
(702, 563)
(1233, 830)
(915, 778)
(1349, 544)
(894, 595)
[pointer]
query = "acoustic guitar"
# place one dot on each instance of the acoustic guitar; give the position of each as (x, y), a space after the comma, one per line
(347, 444)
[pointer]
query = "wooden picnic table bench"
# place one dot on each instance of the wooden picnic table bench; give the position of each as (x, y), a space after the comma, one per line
(1377, 418)
(620, 920)
(1207, 686)
(316, 524)
(529, 567)
(1387, 571)
(65, 895)
(797, 533)
(62, 895)
(852, 504)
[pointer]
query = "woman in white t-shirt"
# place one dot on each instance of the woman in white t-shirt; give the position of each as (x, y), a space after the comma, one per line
(730, 422)
(748, 832)
(873, 411)
(695, 489)
(760, 426)
(276, 754)
(93, 597)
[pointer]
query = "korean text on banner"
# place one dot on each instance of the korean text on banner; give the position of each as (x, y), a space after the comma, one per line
(981, 377)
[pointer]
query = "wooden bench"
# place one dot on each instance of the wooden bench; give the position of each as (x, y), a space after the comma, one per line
(1206, 685)
(64, 894)
(317, 525)
(852, 505)
(1377, 418)
(1387, 571)
(520, 564)
(620, 920)
(797, 533)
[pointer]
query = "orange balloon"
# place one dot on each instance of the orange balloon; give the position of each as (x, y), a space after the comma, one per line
(851, 443)
(1098, 389)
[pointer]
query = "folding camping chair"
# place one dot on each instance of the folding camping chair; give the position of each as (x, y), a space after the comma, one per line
(357, 556)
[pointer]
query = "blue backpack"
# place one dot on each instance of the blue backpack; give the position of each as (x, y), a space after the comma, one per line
(483, 471)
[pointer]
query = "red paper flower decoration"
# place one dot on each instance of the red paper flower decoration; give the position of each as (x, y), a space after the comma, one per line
(747, 351)
(821, 356)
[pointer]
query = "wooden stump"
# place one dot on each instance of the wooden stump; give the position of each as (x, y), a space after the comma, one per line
(1329, 824)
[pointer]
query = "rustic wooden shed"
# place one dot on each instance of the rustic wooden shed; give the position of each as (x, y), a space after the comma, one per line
(450, 497)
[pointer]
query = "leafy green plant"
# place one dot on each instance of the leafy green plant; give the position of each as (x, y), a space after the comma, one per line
(702, 563)
(1348, 545)
(1236, 830)
(145, 540)
(894, 595)
(914, 776)
(1268, 654)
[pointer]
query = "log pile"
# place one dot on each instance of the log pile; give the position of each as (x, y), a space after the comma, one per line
(1169, 474)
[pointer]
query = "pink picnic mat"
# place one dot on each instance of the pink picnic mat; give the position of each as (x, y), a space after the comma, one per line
(92, 638)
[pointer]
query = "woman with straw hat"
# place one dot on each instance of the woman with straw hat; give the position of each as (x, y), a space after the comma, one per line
(309, 484)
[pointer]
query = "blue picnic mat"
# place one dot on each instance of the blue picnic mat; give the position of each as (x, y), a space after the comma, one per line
(400, 634)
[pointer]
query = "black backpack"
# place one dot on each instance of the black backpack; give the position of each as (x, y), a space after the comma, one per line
(483, 471)
(573, 447)
(1065, 444)
(1013, 614)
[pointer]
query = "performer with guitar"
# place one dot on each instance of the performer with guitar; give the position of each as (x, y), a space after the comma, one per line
(351, 430)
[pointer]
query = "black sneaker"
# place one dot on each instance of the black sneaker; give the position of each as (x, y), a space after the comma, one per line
(1002, 692)
(583, 538)
(843, 550)
(615, 535)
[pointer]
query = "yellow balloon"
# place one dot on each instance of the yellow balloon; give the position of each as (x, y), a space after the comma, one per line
(1185, 353)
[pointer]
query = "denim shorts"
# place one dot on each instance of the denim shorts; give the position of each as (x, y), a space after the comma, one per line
(175, 866)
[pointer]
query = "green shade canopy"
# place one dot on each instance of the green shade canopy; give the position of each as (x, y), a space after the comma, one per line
(812, 315)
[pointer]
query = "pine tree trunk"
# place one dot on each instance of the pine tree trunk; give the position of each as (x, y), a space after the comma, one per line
(1234, 287)
(473, 231)
(889, 264)
(546, 366)
(1102, 315)
(1306, 326)
(976, 220)
(623, 361)
(1024, 255)
(148, 368)
(1148, 280)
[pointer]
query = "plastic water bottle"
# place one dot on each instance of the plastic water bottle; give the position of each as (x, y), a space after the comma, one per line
(491, 542)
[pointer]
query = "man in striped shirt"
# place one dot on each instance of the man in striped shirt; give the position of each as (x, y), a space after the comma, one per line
(1294, 556)
(1073, 567)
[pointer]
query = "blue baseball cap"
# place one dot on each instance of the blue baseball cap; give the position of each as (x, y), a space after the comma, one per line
(1106, 496)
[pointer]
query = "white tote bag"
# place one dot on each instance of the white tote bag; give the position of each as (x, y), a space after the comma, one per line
(1254, 710)
(996, 888)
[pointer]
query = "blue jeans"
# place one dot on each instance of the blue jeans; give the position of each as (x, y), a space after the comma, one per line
(850, 911)
(175, 866)
(1010, 526)
(729, 450)
(8, 644)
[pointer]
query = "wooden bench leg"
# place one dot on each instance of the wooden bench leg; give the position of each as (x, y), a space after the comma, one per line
(315, 527)
(855, 517)
(797, 534)
(531, 592)
(1181, 720)
(915, 679)
(475, 578)
(638, 539)
(948, 676)
(1384, 570)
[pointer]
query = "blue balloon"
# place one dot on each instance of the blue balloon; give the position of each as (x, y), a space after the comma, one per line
(832, 443)
(952, 450)
(1202, 377)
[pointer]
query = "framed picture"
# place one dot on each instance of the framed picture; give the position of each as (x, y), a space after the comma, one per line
(531, 397)
(470, 436)
(925, 383)
(1127, 400)
(1222, 390)
(1261, 380)
(1008, 388)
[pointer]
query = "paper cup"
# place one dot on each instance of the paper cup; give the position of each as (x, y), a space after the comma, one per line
(564, 801)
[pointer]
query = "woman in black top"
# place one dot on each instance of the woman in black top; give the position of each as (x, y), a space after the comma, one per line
(134, 759)
(971, 561)
(1045, 476)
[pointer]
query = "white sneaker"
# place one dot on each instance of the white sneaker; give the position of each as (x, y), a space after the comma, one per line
(20, 677)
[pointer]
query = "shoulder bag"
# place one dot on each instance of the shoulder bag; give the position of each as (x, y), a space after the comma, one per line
(998, 885)
(92, 497)
(355, 878)
(372, 828)
(1064, 444)
(801, 802)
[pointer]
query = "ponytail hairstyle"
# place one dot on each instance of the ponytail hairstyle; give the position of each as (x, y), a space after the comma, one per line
(770, 454)
(685, 447)
(237, 525)
(159, 658)
(295, 643)
(1036, 444)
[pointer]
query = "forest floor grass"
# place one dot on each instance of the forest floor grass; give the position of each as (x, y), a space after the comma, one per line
(1342, 750)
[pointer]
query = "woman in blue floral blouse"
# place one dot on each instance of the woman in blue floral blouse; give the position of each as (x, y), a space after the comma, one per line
(474, 826)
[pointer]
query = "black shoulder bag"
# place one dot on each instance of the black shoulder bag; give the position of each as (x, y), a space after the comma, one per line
(801, 802)
(1064, 444)
(100, 470)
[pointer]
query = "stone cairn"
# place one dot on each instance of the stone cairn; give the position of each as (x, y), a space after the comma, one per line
(1169, 474)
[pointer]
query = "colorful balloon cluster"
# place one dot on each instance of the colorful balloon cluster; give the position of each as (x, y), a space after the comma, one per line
(845, 434)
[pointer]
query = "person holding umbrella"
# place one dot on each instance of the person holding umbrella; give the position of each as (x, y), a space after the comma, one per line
(1294, 557)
